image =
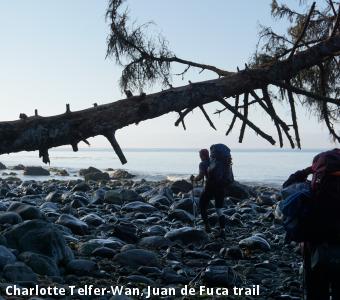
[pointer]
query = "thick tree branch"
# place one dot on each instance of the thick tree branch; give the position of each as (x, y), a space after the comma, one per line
(42, 133)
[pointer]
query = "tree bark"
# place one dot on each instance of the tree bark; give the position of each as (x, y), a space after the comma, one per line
(42, 133)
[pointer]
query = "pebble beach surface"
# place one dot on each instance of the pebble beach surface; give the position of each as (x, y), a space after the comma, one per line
(108, 234)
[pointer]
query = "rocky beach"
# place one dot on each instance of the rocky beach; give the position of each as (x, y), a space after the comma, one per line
(117, 235)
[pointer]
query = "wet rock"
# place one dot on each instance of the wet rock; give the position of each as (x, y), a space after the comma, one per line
(119, 196)
(18, 271)
(54, 196)
(121, 174)
(255, 242)
(140, 279)
(83, 172)
(137, 258)
(154, 242)
(6, 257)
(238, 190)
(81, 187)
(77, 226)
(89, 246)
(231, 253)
(26, 211)
(10, 218)
(185, 204)
(40, 264)
(98, 196)
(36, 171)
(139, 206)
(156, 230)
(81, 267)
(181, 215)
(221, 276)
(19, 167)
(265, 199)
(2, 166)
(126, 232)
(40, 237)
(181, 186)
(187, 235)
(96, 176)
(159, 199)
(93, 219)
(104, 252)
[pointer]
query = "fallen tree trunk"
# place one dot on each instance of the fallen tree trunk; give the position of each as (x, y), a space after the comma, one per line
(42, 133)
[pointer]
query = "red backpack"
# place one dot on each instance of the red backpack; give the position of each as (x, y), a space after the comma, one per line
(325, 164)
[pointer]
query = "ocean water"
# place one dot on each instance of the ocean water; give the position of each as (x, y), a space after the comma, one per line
(250, 166)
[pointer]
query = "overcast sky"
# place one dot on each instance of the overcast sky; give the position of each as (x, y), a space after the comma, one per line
(53, 52)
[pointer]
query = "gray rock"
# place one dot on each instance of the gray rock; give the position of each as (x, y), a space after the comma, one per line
(2, 166)
(54, 196)
(36, 171)
(26, 211)
(120, 196)
(185, 204)
(181, 215)
(238, 190)
(121, 174)
(187, 235)
(221, 276)
(159, 199)
(181, 186)
(6, 257)
(40, 237)
(137, 258)
(96, 176)
(81, 267)
(77, 226)
(140, 279)
(81, 187)
(93, 219)
(154, 242)
(255, 242)
(104, 252)
(40, 264)
(83, 172)
(89, 246)
(10, 218)
(19, 167)
(139, 206)
(18, 271)
(156, 230)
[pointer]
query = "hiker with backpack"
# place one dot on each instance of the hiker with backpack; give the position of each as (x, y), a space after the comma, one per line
(312, 217)
(219, 175)
(203, 166)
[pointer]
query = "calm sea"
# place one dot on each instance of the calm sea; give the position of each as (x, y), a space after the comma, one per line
(250, 166)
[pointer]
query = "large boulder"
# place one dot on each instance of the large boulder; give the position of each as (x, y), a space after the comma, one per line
(97, 176)
(26, 211)
(6, 257)
(181, 186)
(137, 258)
(239, 191)
(36, 171)
(119, 196)
(187, 235)
(77, 226)
(89, 246)
(139, 206)
(10, 218)
(18, 271)
(40, 264)
(83, 172)
(39, 237)
(121, 174)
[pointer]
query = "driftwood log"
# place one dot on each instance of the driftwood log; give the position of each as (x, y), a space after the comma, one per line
(42, 133)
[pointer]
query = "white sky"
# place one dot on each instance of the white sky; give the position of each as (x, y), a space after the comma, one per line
(53, 52)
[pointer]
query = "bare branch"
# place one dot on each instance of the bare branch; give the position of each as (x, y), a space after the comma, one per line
(207, 117)
(245, 114)
(237, 99)
(303, 31)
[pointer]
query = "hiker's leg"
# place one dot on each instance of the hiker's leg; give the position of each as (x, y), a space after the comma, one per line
(204, 203)
(316, 281)
(219, 201)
